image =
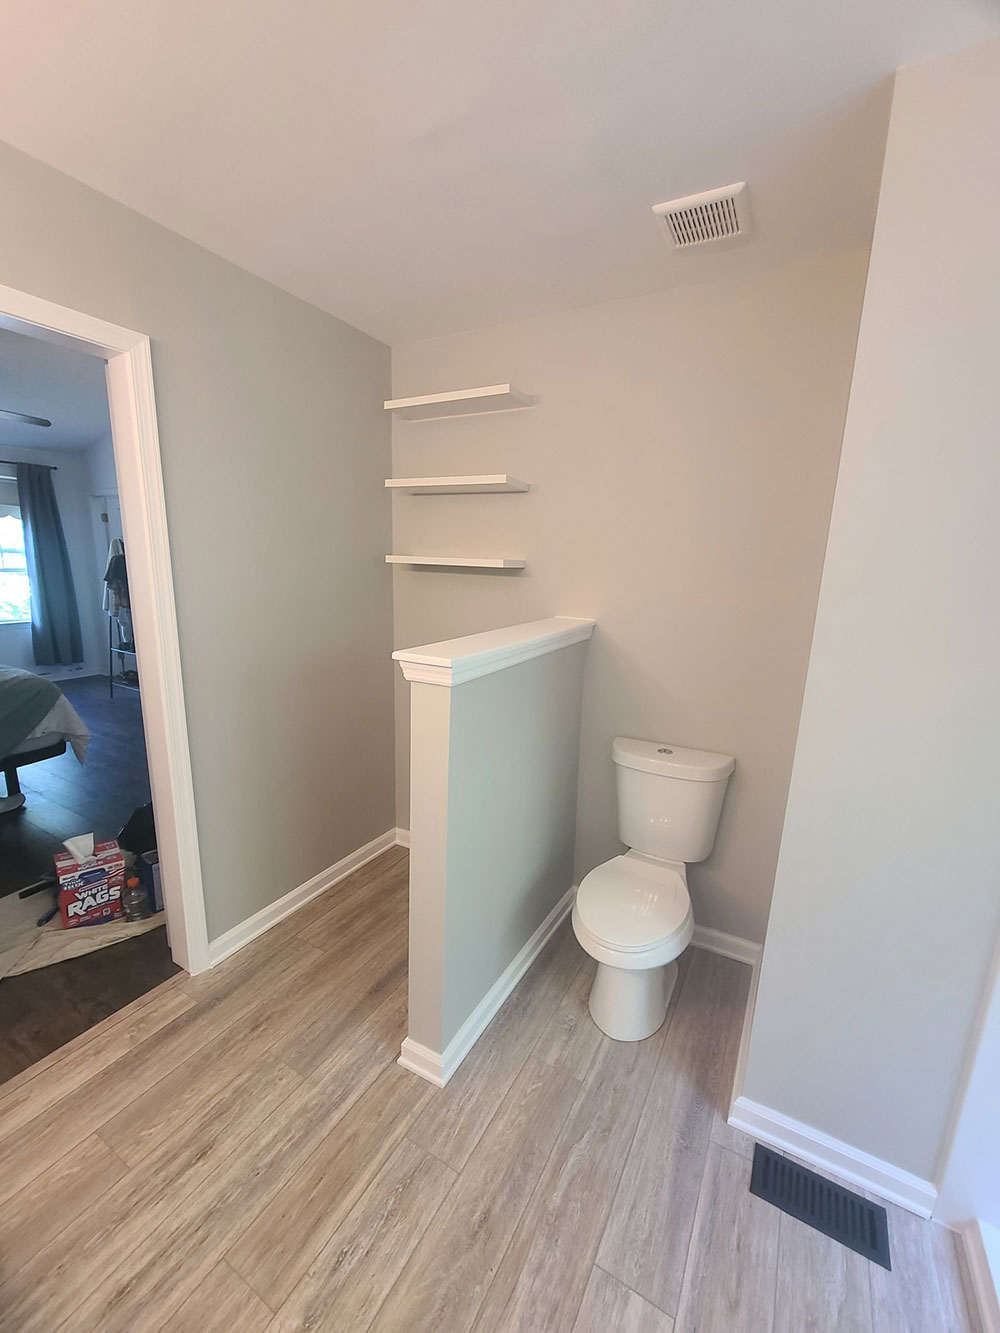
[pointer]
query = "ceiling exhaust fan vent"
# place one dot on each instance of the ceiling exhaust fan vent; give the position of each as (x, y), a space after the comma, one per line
(715, 215)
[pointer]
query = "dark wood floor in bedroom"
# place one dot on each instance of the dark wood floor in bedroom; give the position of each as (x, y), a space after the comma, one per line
(42, 1010)
(63, 798)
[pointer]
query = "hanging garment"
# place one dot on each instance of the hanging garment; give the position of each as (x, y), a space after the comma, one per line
(116, 598)
(109, 599)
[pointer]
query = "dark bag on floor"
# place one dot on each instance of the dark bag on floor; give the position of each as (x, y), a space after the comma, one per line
(138, 833)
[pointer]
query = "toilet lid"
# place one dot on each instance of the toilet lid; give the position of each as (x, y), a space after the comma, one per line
(630, 904)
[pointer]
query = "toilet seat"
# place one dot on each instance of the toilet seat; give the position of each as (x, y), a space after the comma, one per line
(633, 913)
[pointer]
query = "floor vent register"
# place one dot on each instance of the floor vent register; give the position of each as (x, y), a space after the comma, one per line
(836, 1212)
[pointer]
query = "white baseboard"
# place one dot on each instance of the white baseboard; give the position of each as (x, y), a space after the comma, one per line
(270, 915)
(742, 1054)
(402, 837)
(984, 1275)
(70, 672)
(829, 1154)
(422, 1060)
(438, 1067)
(730, 946)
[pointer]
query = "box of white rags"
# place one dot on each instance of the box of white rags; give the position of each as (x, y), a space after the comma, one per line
(90, 891)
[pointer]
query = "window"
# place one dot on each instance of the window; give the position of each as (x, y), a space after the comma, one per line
(15, 590)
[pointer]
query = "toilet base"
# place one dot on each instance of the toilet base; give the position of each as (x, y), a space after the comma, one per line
(628, 1005)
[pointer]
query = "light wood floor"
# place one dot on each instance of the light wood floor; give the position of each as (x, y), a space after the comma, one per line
(239, 1151)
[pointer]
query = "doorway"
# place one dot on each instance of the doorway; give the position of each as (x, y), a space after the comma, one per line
(142, 515)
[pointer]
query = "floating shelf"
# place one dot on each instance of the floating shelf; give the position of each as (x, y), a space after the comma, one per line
(488, 485)
(456, 561)
(458, 403)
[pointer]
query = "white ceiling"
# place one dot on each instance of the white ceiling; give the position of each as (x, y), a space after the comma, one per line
(418, 168)
(43, 380)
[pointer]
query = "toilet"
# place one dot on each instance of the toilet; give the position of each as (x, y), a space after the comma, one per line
(633, 914)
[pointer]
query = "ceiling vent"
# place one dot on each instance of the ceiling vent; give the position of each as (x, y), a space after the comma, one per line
(715, 215)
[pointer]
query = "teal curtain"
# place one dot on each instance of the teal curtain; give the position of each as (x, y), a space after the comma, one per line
(55, 619)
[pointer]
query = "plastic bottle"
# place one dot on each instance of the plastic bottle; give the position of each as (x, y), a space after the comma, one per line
(135, 901)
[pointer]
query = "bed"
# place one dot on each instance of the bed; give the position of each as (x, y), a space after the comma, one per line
(37, 722)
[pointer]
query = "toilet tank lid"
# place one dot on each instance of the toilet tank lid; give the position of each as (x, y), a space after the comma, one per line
(672, 761)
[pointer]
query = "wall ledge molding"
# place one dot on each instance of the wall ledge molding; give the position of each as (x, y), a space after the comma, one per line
(437, 1067)
(983, 1278)
(829, 1154)
(454, 661)
(730, 946)
(234, 939)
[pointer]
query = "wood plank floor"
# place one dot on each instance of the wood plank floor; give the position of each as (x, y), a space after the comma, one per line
(239, 1151)
(63, 797)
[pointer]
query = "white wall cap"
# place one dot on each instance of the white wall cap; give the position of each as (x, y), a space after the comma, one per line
(454, 661)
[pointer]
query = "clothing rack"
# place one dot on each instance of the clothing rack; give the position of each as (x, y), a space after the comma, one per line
(123, 648)
(121, 652)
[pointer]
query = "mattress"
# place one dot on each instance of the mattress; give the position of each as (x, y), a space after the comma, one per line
(61, 723)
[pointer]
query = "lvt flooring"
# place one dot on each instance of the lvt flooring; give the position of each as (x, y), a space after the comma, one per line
(239, 1151)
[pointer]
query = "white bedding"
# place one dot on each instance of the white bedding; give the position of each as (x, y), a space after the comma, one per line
(61, 723)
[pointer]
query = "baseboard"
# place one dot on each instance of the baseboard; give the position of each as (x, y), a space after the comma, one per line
(402, 837)
(238, 936)
(743, 1052)
(830, 1154)
(438, 1067)
(81, 672)
(983, 1276)
(421, 1060)
(730, 946)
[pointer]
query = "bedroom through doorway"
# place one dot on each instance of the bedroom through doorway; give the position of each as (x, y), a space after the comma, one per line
(72, 745)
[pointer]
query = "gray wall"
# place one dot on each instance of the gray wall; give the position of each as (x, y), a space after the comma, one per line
(971, 1183)
(274, 450)
(101, 468)
(513, 768)
(495, 766)
(682, 456)
(886, 906)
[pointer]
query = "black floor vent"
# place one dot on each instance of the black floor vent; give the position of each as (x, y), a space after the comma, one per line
(839, 1213)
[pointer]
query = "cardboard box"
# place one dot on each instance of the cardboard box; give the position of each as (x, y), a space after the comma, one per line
(149, 873)
(90, 891)
(108, 858)
(92, 904)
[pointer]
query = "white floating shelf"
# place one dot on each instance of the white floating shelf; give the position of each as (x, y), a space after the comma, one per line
(488, 485)
(456, 561)
(458, 403)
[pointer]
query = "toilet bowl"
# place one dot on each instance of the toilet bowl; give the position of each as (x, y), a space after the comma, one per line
(633, 913)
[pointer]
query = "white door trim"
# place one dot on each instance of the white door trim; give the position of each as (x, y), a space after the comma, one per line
(140, 485)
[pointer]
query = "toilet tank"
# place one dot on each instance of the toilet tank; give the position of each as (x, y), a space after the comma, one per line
(669, 798)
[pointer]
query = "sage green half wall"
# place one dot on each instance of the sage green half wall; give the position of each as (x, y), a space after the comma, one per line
(274, 449)
(495, 768)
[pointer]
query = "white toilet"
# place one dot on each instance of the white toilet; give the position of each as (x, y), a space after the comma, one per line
(633, 913)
